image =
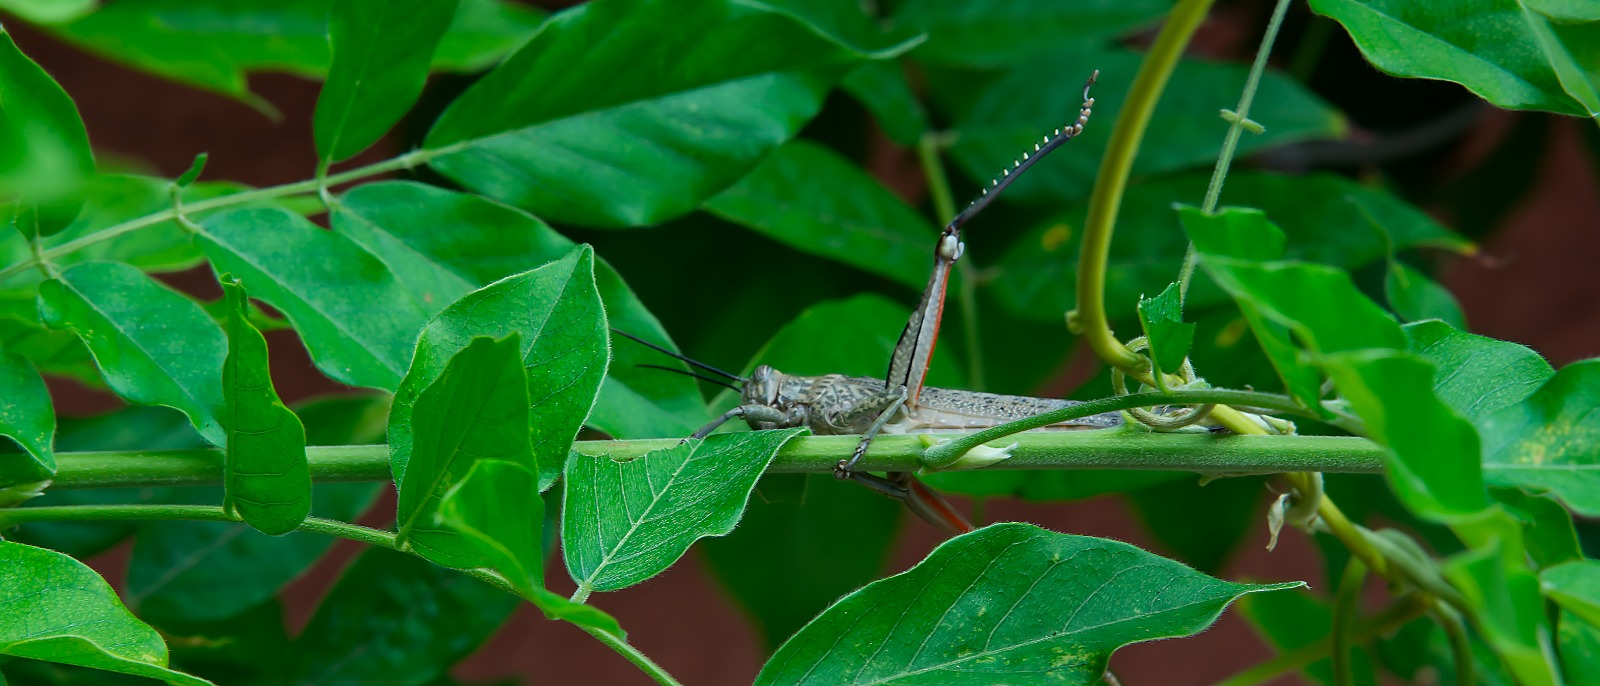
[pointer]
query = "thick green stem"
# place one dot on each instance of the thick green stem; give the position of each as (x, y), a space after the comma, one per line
(1115, 167)
(1127, 448)
(10, 517)
(967, 286)
(405, 161)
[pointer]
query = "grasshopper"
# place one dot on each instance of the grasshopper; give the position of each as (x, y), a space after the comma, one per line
(899, 403)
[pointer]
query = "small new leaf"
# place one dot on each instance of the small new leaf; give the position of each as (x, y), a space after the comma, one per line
(1169, 336)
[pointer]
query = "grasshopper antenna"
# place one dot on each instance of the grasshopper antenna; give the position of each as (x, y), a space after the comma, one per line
(1040, 149)
(681, 357)
(702, 377)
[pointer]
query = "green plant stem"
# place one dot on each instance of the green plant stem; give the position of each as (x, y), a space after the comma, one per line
(1230, 143)
(1115, 167)
(1460, 647)
(405, 161)
(1346, 605)
(1399, 614)
(967, 287)
(10, 517)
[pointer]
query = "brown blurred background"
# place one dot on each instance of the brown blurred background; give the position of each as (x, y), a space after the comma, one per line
(1533, 282)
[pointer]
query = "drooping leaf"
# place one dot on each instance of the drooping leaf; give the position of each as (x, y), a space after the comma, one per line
(536, 133)
(59, 610)
(497, 508)
(216, 47)
(326, 286)
(1575, 586)
(477, 408)
(624, 522)
(882, 88)
(407, 619)
(154, 346)
(811, 198)
(1007, 115)
(398, 222)
(1477, 376)
(44, 151)
(26, 415)
(1416, 297)
(1006, 602)
(981, 34)
(1325, 218)
(1579, 643)
(1551, 440)
(1569, 49)
(1161, 318)
(264, 468)
(787, 560)
(1547, 529)
(381, 51)
(557, 313)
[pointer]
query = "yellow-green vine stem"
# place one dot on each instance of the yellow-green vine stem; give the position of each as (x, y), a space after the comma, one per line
(10, 517)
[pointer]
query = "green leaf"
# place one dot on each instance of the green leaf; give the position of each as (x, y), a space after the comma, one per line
(1007, 115)
(624, 522)
(1161, 318)
(1416, 297)
(1037, 275)
(407, 619)
(328, 299)
(477, 408)
(882, 88)
(1006, 602)
(398, 222)
(154, 346)
(1565, 10)
(44, 151)
(26, 414)
(264, 468)
(1575, 586)
(1579, 644)
(48, 11)
(1504, 595)
(210, 571)
(215, 47)
(556, 311)
(1551, 440)
(59, 610)
(811, 198)
(1295, 620)
(1547, 529)
(55, 353)
(1477, 376)
(980, 34)
(536, 133)
(786, 561)
(1488, 47)
(381, 50)
(492, 508)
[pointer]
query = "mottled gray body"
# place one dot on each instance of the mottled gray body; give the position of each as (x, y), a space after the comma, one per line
(839, 404)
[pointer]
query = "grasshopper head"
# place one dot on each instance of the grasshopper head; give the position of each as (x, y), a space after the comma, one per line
(763, 386)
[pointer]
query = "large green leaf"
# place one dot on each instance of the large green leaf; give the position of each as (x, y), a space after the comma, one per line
(1503, 594)
(1579, 644)
(477, 408)
(407, 619)
(624, 522)
(154, 346)
(497, 508)
(1486, 45)
(1325, 218)
(1575, 586)
(556, 311)
(215, 46)
(1008, 602)
(186, 572)
(882, 88)
(327, 286)
(381, 50)
(1551, 440)
(1416, 297)
(1008, 115)
(59, 610)
(44, 151)
(1547, 529)
(1477, 376)
(984, 34)
(813, 199)
(264, 468)
(399, 222)
(26, 415)
(578, 112)
(787, 560)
